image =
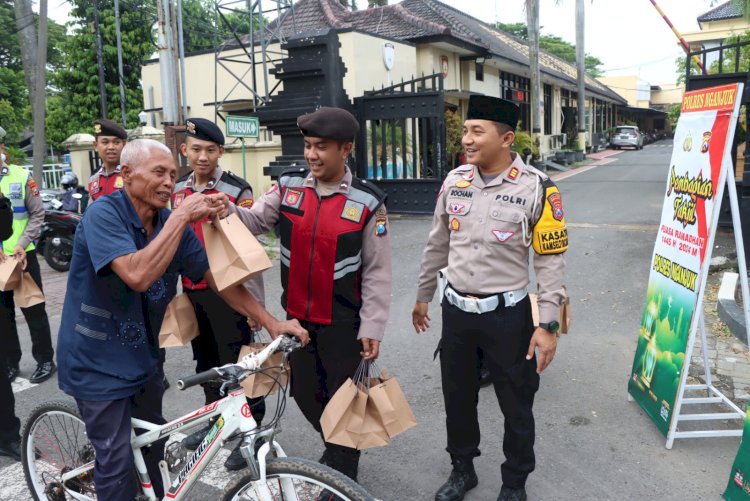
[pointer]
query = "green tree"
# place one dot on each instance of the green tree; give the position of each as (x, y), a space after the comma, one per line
(453, 135)
(15, 110)
(75, 104)
(555, 46)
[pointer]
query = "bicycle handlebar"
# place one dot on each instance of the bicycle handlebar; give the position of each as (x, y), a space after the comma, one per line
(251, 362)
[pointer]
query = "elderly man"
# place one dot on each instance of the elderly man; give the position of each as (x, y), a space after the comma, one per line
(129, 252)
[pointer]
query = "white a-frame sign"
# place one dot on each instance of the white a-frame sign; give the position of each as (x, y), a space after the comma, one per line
(699, 170)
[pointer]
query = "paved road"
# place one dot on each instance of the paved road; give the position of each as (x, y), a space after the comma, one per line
(591, 443)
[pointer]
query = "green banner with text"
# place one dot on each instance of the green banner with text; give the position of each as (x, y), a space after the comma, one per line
(738, 488)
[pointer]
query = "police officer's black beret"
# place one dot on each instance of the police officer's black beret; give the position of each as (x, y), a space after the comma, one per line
(105, 127)
(200, 128)
(330, 123)
(493, 108)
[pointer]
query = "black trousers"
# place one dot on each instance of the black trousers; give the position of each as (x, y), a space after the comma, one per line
(36, 318)
(108, 427)
(223, 332)
(503, 336)
(321, 367)
(10, 426)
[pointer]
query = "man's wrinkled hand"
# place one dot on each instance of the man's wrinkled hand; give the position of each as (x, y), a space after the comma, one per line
(370, 348)
(419, 317)
(20, 255)
(253, 324)
(196, 207)
(546, 343)
(291, 327)
(220, 202)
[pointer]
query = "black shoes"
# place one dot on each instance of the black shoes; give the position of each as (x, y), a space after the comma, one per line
(463, 478)
(342, 459)
(43, 372)
(508, 494)
(236, 461)
(12, 373)
(11, 449)
(193, 440)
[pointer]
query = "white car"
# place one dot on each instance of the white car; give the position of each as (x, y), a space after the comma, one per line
(626, 135)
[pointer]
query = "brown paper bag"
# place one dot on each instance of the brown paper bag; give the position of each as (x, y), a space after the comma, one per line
(344, 414)
(28, 293)
(233, 252)
(263, 383)
(10, 274)
(373, 432)
(392, 407)
(180, 325)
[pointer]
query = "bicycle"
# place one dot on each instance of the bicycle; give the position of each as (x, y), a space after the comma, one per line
(58, 459)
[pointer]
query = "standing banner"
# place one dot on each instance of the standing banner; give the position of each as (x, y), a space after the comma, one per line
(738, 488)
(695, 185)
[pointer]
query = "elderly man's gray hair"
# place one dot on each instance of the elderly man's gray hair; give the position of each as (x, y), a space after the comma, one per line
(136, 152)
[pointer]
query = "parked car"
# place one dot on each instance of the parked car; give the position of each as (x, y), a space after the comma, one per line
(626, 135)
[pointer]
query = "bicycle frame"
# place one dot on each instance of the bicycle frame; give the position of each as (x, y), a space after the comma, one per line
(233, 415)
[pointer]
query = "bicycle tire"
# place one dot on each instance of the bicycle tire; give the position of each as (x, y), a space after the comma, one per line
(322, 478)
(42, 444)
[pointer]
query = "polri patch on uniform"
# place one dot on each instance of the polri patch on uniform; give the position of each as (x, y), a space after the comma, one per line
(248, 202)
(178, 198)
(33, 187)
(502, 235)
(513, 173)
(352, 211)
(293, 198)
(456, 208)
(463, 184)
(555, 200)
(381, 222)
(94, 186)
(455, 224)
(118, 182)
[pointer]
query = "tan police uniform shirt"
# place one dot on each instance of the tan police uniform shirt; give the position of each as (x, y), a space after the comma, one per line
(376, 254)
(483, 234)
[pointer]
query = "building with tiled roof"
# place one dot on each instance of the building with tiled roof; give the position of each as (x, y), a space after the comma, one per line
(715, 26)
(426, 37)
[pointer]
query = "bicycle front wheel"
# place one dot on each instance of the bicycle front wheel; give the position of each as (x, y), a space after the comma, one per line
(297, 479)
(54, 443)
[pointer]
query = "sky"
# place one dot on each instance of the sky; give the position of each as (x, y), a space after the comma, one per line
(628, 36)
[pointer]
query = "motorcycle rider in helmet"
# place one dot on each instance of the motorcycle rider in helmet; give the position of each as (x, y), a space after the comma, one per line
(69, 183)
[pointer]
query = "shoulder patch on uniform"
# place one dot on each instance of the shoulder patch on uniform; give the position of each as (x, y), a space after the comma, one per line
(293, 198)
(381, 221)
(550, 235)
(33, 187)
(178, 198)
(118, 181)
(353, 211)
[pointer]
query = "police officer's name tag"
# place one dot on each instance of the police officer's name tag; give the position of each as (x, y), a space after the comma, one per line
(353, 211)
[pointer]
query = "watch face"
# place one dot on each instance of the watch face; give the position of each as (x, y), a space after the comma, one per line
(554, 326)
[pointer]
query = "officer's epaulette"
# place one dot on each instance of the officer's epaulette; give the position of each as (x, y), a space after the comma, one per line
(540, 174)
(295, 172)
(183, 178)
(369, 187)
(233, 179)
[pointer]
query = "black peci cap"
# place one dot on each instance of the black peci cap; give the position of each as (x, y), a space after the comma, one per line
(493, 108)
(105, 127)
(201, 128)
(330, 123)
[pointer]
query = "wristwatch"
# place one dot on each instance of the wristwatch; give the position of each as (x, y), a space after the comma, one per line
(552, 327)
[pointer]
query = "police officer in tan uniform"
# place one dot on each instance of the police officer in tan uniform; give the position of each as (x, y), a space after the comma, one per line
(489, 214)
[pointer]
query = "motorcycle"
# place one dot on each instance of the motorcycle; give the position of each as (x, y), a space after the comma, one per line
(56, 240)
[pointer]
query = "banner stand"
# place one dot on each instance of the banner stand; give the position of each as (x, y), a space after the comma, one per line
(710, 394)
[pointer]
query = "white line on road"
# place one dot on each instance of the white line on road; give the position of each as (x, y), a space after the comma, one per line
(20, 384)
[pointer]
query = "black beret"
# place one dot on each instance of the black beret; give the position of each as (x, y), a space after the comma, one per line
(201, 128)
(330, 123)
(104, 127)
(493, 108)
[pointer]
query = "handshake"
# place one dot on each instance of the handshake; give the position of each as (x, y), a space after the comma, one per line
(199, 206)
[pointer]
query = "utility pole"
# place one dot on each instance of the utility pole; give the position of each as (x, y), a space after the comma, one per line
(100, 60)
(581, 63)
(532, 20)
(40, 142)
(170, 80)
(119, 63)
(28, 40)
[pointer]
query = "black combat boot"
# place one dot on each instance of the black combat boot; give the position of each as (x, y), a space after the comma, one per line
(463, 478)
(343, 459)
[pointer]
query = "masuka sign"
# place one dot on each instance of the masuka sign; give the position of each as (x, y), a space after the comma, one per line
(693, 193)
